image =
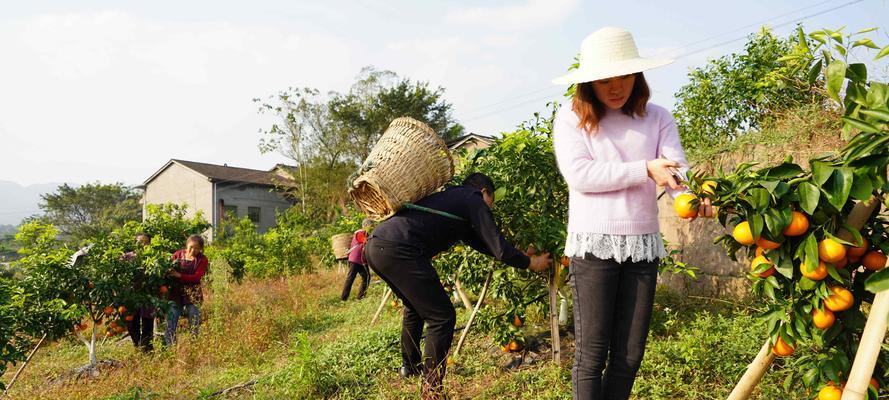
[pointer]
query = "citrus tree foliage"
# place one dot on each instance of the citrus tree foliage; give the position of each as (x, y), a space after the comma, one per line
(297, 244)
(111, 280)
(732, 94)
(815, 285)
(530, 207)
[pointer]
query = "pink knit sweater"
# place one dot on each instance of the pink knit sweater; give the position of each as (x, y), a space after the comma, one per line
(609, 188)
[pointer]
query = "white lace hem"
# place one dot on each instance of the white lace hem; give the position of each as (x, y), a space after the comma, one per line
(636, 248)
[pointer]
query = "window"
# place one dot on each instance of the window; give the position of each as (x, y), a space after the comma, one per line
(253, 213)
(230, 210)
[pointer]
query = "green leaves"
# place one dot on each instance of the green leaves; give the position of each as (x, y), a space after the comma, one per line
(837, 188)
(809, 195)
(836, 75)
(878, 282)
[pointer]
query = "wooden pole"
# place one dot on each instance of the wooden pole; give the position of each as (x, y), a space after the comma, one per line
(463, 297)
(478, 305)
(24, 364)
(868, 349)
(382, 305)
(554, 315)
(757, 369)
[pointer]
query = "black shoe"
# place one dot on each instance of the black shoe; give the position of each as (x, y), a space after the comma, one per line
(407, 372)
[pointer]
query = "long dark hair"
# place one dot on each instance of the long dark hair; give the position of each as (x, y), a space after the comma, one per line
(590, 110)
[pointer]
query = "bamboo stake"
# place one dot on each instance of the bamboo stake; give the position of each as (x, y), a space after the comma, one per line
(24, 364)
(478, 305)
(874, 332)
(868, 349)
(554, 315)
(382, 305)
(463, 297)
(757, 369)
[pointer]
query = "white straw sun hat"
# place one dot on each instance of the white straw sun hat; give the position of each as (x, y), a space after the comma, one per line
(607, 53)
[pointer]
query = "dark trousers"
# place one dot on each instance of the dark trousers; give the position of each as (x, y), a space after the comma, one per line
(141, 330)
(612, 312)
(355, 269)
(414, 281)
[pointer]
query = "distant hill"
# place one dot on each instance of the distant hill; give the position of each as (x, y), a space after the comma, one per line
(18, 202)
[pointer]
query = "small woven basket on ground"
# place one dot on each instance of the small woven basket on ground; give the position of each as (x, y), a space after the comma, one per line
(341, 243)
(408, 163)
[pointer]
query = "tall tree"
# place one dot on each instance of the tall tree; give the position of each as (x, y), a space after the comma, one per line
(328, 135)
(91, 210)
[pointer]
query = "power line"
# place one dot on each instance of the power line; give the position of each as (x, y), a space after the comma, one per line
(683, 55)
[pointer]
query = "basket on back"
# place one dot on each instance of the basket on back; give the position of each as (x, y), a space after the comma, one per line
(408, 163)
(341, 244)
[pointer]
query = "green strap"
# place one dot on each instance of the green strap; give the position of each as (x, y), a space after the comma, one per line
(413, 206)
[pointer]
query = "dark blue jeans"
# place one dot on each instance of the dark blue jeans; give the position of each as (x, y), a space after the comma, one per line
(612, 312)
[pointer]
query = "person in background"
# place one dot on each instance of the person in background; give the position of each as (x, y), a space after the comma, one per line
(141, 324)
(356, 263)
(190, 266)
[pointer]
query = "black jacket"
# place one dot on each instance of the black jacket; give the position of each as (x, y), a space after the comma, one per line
(432, 233)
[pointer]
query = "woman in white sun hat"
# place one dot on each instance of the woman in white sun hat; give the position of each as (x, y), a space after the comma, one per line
(614, 148)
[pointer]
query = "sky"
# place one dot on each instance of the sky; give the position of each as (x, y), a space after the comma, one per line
(110, 90)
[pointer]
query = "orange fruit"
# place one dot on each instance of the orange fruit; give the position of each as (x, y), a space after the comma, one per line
(762, 260)
(767, 244)
(874, 260)
(121, 310)
(840, 299)
(830, 392)
(515, 346)
(743, 234)
(818, 274)
(841, 264)
(758, 252)
(516, 321)
(708, 187)
(875, 384)
(858, 250)
(781, 348)
(823, 319)
(128, 318)
(854, 259)
(451, 361)
(394, 303)
(565, 261)
(505, 348)
(830, 250)
(799, 224)
(108, 310)
(163, 290)
(684, 205)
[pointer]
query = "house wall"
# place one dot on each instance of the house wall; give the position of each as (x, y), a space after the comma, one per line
(181, 185)
(245, 195)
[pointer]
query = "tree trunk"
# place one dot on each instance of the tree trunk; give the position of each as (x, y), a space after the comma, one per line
(91, 346)
(478, 305)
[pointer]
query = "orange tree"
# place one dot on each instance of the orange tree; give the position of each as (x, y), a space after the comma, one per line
(104, 287)
(530, 207)
(788, 220)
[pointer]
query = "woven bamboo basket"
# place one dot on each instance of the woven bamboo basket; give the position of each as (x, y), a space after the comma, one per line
(341, 244)
(408, 163)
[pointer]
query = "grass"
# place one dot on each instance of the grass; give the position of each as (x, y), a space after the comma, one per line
(296, 339)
